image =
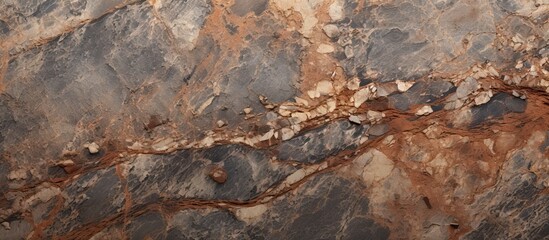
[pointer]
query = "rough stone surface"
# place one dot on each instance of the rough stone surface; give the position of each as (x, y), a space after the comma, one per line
(274, 119)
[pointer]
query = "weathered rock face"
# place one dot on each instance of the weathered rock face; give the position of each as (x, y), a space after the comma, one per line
(274, 119)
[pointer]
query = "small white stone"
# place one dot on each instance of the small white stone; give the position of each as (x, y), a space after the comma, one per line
(425, 110)
(247, 110)
(301, 101)
(403, 86)
(466, 87)
(519, 65)
(353, 84)
(389, 140)
(163, 144)
(533, 70)
(336, 11)
(20, 174)
(324, 87)
(331, 30)
(287, 133)
(361, 96)
(374, 116)
(331, 104)
(300, 116)
(325, 48)
(483, 97)
(490, 144)
(493, 71)
(249, 214)
(354, 119)
(6, 225)
(93, 148)
(349, 52)
(66, 163)
(220, 123)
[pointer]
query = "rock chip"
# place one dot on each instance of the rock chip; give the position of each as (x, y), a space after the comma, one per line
(361, 96)
(325, 48)
(6, 225)
(218, 174)
(374, 116)
(324, 87)
(20, 174)
(467, 87)
(247, 110)
(92, 147)
(331, 30)
(483, 97)
(403, 86)
(220, 123)
(286, 133)
(425, 110)
(336, 11)
(354, 119)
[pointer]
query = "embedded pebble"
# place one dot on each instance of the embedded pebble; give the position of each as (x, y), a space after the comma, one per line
(335, 11)
(218, 174)
(403, 86)
(247, 110)
(287, 133)
(354, 119)
(466, 87)
(374, 116)
(93, 148)
(483, 97)
(325, 48)
(6, 225)
(425, 110)
(361, 96)
(331, 30)
(20, 174)
(324, 87)
(220, 123)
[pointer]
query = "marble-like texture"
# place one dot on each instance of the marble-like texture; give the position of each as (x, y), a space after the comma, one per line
(274, 119)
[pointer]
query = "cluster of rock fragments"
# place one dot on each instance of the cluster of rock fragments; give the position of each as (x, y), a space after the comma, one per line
(274, 119)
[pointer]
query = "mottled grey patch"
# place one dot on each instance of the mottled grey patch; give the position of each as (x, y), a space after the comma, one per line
(497, 107)
(481, 48)
(444, 4)
(4, 28)
(277, 77)
(19, 229)
(151, 225)
(392, 45)
(545, 143)
(324, 214)
(421, 93)
(317, 144)
(185, 175)
(4, 171)
(508, 5)
(365, 228)
(515, 207)
(243, 7)
(7, 121)
(378, 130)
(197, 224)
(91, 198)
(45, 8)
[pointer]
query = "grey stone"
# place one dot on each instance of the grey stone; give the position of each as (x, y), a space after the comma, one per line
(322, 142)
(242, 7)
(497, 107)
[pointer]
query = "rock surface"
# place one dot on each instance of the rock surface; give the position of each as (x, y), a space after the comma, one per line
(274, 119)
